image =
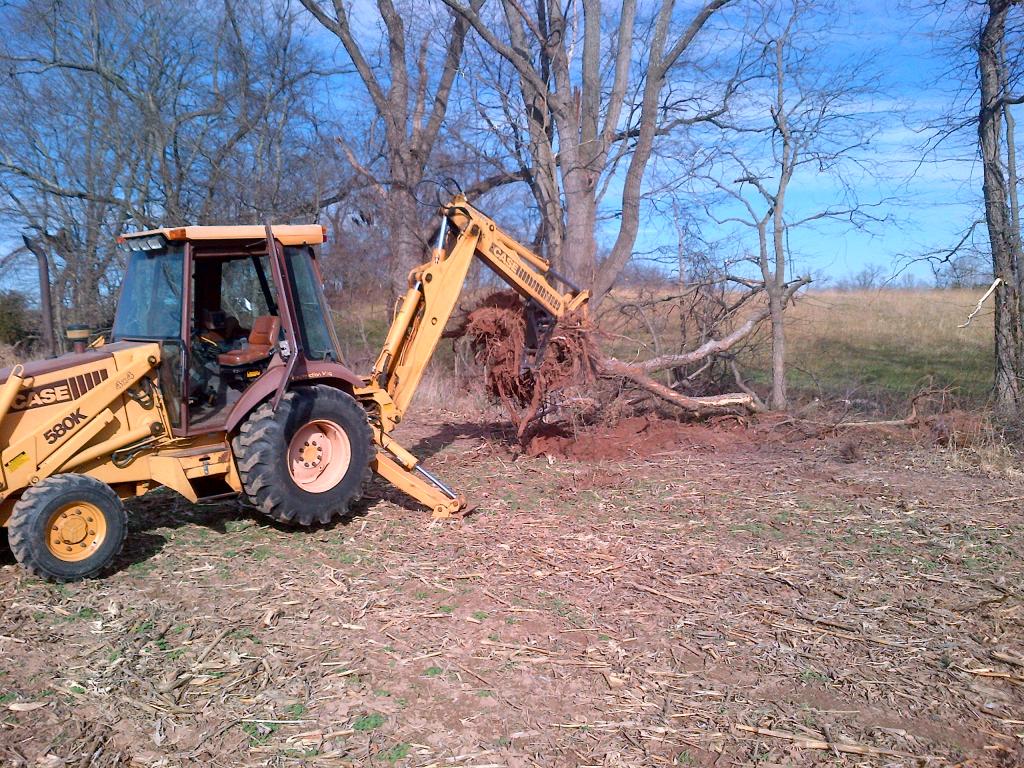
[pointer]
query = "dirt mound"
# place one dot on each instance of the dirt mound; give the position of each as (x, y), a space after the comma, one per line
(957, 428)
(498, 330)
(633, 437)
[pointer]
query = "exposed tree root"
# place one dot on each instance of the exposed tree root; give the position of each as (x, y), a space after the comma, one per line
(497, 329)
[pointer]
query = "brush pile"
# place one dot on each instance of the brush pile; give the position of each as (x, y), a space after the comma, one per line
(569, 370)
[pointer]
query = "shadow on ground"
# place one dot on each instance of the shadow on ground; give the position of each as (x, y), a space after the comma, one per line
(152, 517)
(499, 433)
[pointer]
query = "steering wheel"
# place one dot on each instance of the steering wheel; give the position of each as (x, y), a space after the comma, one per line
(204, 346)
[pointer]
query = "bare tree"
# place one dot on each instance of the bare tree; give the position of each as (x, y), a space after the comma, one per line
(982, 41)
(870, 278)
(1002, 216)
(139, 112)
(967, 268)
(798, 117)
(594, 94)
(409, 92)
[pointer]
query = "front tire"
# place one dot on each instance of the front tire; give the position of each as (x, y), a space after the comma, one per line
(308, 461)
(67, 527)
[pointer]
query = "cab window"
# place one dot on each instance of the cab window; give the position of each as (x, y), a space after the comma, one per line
(242, 294)
(318, 337)
(150, 305)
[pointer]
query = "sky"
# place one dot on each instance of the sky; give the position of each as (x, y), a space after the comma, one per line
(925, 204)
(923, 200)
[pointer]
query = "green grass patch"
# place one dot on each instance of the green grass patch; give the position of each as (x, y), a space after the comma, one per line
(395, 753)
(370, 722)
(83, 614)
(260, 732)
(809, 676)
(143, 568)
(245, 634)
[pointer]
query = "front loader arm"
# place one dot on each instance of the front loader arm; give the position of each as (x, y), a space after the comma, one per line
(40, 453)
(434, 290)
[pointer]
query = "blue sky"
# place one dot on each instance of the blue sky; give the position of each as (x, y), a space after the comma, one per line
(924, 201)
(927, 205)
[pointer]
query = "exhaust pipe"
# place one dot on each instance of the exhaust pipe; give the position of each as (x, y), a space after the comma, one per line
(78, 335)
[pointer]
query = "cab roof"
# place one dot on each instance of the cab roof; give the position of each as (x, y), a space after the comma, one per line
(286, 234)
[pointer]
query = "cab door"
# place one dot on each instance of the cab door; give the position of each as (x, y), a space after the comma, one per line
(152, 308)
(233, 303)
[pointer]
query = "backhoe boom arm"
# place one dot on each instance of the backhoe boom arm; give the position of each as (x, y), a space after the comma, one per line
(435, 287)
(434, 290)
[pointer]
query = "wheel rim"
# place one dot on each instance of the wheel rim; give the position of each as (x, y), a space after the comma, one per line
(75, 531)
(319, 456)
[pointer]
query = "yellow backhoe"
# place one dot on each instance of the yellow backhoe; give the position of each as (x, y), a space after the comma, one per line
(222, 376)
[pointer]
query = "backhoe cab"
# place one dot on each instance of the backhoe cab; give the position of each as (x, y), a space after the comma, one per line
(231, 316)
(223, 376)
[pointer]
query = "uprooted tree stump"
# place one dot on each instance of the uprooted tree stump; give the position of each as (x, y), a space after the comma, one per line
(497, 331)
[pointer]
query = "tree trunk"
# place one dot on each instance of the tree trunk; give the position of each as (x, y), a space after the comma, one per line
(406, 251)
(45, 295)
(779, 399)
(1004, 241)
(1013, 182)
(570, 105)
(579, 249)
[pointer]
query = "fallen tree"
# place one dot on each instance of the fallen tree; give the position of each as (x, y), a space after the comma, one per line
(716, 346)
(572, 359)
(701, 405)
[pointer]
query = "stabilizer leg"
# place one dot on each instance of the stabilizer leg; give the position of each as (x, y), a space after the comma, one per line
(421, 485)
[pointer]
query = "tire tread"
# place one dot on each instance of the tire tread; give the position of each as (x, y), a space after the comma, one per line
(19, 527)
(261, 441)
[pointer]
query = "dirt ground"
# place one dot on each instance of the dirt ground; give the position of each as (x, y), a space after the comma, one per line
(731, 597)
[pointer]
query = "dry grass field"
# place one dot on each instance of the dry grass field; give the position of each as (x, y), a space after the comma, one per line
(887, 343)
(870, 349)
(877, 347)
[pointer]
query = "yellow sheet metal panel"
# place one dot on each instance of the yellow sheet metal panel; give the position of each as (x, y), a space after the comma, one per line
(73, 402)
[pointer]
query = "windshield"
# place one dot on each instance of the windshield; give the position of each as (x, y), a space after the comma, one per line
(310, 305)
(150, 305)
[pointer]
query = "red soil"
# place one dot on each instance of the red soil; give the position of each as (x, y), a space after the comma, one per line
(632, 437)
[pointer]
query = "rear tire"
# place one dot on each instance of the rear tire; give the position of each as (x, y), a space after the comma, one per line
(308, 461)
(67, 527)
